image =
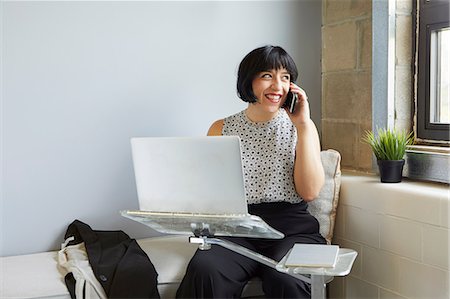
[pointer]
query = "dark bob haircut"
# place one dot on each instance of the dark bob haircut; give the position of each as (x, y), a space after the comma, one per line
(259, 60)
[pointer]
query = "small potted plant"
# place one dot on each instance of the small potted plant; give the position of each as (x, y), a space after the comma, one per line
(389, 147)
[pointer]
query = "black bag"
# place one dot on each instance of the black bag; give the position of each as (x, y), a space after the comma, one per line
(118, 262)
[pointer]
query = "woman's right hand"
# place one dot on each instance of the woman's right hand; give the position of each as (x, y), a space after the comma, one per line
(301, 113)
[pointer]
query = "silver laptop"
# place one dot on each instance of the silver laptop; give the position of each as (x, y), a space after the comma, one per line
(189, 175)
(193, 185)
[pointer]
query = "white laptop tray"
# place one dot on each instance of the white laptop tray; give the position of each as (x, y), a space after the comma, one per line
(205, 225)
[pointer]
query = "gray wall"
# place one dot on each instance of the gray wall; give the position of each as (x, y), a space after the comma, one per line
(80, 78)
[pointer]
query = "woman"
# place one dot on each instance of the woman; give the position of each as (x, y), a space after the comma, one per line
(282, 172)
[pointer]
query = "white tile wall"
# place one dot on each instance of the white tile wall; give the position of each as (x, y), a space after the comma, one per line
(401, 232)
(400, 236)
(380, 267)
(435, 246)
(359, 289)
(422, 281)
(445, 211)
(362, 226)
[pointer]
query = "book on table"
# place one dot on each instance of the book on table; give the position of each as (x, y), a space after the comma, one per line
(312, 255)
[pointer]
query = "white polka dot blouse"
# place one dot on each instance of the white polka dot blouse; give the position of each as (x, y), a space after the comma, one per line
(268, 153)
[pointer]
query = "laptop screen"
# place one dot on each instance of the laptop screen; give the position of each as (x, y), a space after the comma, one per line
(201, 175)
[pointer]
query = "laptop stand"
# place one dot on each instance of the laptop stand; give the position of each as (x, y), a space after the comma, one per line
(205, 229)
(244, 225)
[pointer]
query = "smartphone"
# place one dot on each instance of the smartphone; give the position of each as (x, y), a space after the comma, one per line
(291, 102)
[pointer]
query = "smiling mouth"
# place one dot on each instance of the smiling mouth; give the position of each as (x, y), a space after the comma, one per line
(273, 98)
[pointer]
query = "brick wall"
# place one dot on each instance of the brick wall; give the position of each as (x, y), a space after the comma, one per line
(347, 76)
(347, 79)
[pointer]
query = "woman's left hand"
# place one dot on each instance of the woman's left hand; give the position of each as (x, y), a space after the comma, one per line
(301, 113)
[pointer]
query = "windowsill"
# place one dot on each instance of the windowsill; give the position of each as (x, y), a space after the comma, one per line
(429, 163)
(429, 149)
(407, 183)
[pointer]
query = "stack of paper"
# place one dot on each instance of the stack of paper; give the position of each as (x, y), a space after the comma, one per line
(312, 255)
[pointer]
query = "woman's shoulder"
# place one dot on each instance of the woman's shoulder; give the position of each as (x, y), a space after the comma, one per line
(216, 128)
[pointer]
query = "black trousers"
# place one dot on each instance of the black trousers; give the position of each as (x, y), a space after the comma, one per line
(222, 273)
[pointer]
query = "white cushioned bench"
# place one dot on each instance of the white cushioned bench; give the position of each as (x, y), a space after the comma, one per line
(39, 276)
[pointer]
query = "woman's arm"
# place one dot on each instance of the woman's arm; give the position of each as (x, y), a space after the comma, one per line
(308, 170)
(216, 128)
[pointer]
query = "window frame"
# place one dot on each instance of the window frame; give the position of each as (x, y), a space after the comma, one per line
(432, 15)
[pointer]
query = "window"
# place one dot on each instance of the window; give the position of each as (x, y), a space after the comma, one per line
(439, 74)
(433, 49)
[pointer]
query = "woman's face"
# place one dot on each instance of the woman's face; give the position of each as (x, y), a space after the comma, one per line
(270, 88)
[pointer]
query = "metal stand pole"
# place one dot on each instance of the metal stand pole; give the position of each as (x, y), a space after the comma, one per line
(318, 286)
(205, 242)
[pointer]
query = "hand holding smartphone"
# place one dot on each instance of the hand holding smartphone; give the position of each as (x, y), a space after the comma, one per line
(291, 102)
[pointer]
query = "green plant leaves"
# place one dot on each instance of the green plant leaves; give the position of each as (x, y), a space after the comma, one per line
(388, 144)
